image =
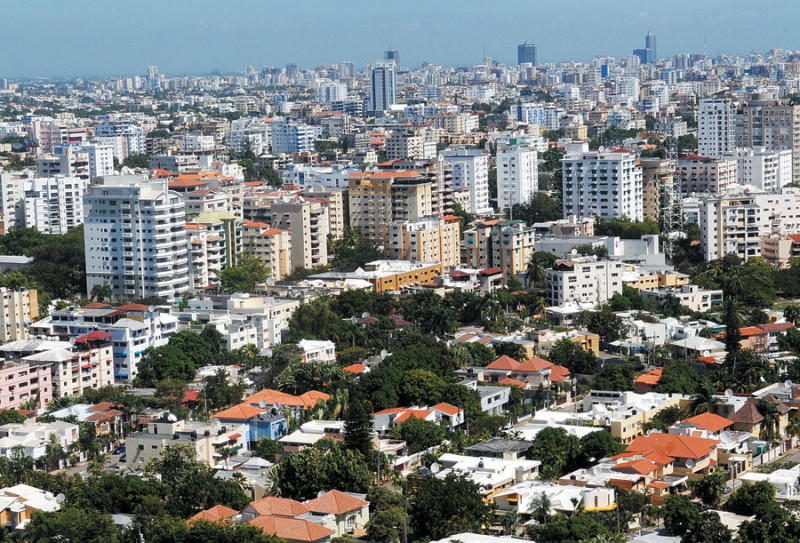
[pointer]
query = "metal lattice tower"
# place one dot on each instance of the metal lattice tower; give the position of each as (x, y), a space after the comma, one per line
(672, 219)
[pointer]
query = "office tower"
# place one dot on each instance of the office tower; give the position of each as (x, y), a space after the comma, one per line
(134, 238)
(716, 127)
(767, 123)
(392, 54)
(645, 56)
(152, 72)
(650, 43)
(292, 70)
(526, 53)
(471, 172)
(53, 205)
(517, 175)
(383, 89)
(601, 184)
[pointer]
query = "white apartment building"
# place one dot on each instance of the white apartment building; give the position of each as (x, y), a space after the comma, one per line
(54, 205)
(196, 143)
(606, 184)
(133, 136)
(696, 174)
(12, 198)
(544, 115)
(471, 171)
(291, 136)
(716, 127)
(331, 91)
(100, 157)
(20, 308)
(757, 166)
(205, 250)
(405, 144)
(735, 223)
(517, 175)
(134, 238)
(765, 122)
(584, 281)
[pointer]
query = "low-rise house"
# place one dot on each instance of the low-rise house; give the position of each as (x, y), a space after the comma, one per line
(310, 433)
(493, 475)
(318, 351)
(440, 413)
(33, 438)
(262, 422)
(520, 498)
(647, 382)
(694, 347)
(350, 511)
(280, 400)
(106, 416)
(18, 503)
(218, 514)
(693, 456)
(784, 480)
(293, 530)
(497, 447)
(625, 413)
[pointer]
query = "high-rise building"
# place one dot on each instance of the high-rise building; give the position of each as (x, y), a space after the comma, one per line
(134, 238)
(650, 43)
(272, 246)
(699, 174)
(383, 87)
(767, 170)
(291, 136)
(19, 309)
(307, 220)
(392, 54)
(716, 127)
(152, 72)
(331, 91)
(584, 280)
(658, 177)
(507, 245)
(517, 175)
(425, 240)
(526, 53)
(772, 125)
(601, 183)
(12, 198)
(53, 205)
(471, 171)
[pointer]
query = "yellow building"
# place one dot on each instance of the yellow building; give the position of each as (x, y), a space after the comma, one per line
(270, 245)
(388, 275)
(507, 245)
(380, 198)
(658, 177)
(656, 281)
(425, 240)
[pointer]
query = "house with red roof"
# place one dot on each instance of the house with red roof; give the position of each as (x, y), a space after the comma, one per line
(647, 382)
(693, 456)
(447, 414)
(531, 373)
(350, 512)
(218, 514)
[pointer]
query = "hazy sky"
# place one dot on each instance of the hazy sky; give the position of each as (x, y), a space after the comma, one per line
(117, 37)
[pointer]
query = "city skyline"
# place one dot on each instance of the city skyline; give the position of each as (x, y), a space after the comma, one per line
(95, 38)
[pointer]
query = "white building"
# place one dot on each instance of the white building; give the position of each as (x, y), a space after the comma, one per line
(584, 280)
(134, 238)
(716, 127)
(12, 198)
(705, 175)
(318, 351)
(99, 156)
(54, 205)
(606, 184)
(471, 171)
(293, 137)
(196, 143)
(757, 166)
(331, 91)
(517, 175)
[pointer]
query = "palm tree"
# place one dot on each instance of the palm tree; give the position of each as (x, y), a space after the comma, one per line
(225, 453)
(540, 507)
(101, 292)
(535, 272)
(794, 427)
(769, 426)
(509, 522)
(97, 464)
(704, 400)
(792, 313)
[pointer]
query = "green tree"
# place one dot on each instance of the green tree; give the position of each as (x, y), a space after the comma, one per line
(447, 506)
(220, 392)
(419, 434)
(8, 416)
(165, 362)
(708, 529)
(615, 377)
(464, 217)
(709, 489)
(679, 377)
(244, 276)
(573, 357)
(600, 444)
(603, 323)
(704, 399)
(575, 529)
(267, 449)
(558, 451)
(680, 514)
(664, 419)
(358, 428)
(326, 466)
(71, 524)
(747, 498)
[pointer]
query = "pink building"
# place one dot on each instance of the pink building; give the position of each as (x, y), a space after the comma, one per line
(21, 381)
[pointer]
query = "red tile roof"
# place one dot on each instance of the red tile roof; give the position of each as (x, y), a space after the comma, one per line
(446, 408)
(278, 507)
(674, 445)
(96, 335)
(559, 373)
(335, 502)
(239, 412)
(293, 529)
(534, 365)
(508, 381)
(649, 378)
(355, 368)
(503, 363)
(218, 513)
(709, 421)
(642, 467)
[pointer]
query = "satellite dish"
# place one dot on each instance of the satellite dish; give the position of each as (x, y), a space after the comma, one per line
(435, 468)
(728, 392)
(270, 281)
(597, 471)
(706, 353)
(60, 497)
(384, 353)
(354, 320)
(725, 436)
(276, 405)
(690, 463)
(788, 383)
(364, 315)
(573, 252)
(262, 404)
(172, 418)
(321, 493)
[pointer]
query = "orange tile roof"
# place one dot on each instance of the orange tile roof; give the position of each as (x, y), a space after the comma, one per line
(674, 445)
(659, 458)
(218, 513)
(650, 378)
(254, 224)
(389, 411)
(505, 362)
(336, 502)
(794, 237)
(534, 364)
(294, 529)
(508, 381)
(451, 218)
(446, 408)
(239, 412)
(133, 307)
(638, 466)
(274, 232)
(355, 368)
(96, 305)
(710, 422)
(750, 331)
(187, 183)
(385, 175)
(306, 400)
(559, 373)
(278, 507)
(421, 414)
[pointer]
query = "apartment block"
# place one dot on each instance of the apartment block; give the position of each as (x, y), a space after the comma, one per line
(471, 171)
(134, 238)
(658, 178)
(12, 198)
(54, 205)
(272, 246)
(768, 123)
(20, 308)
(716, 127)
(584, 281)
(307, 220)
(338, 204)
(762, 168)
(605, 184)
(517, 175)
(705, 175)
(502, 245)
(425, 240)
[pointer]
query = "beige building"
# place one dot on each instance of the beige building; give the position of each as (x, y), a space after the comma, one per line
(777, 249)
(205, 250)
(658, 178)
(20, 309)
(338, 207)
(697, 174)
(401, 144)
(380, 198)
(507, 245)
(770, 124)
(206, 439)
(307, 220)
(270, 245)
(656, 280)
(425, 240)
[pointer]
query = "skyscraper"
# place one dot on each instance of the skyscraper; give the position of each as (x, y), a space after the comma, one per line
(383, 91)
(650, 43)
(526, 52)
(392, 54)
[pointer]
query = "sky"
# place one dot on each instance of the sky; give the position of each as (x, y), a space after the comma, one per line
(82, 38)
